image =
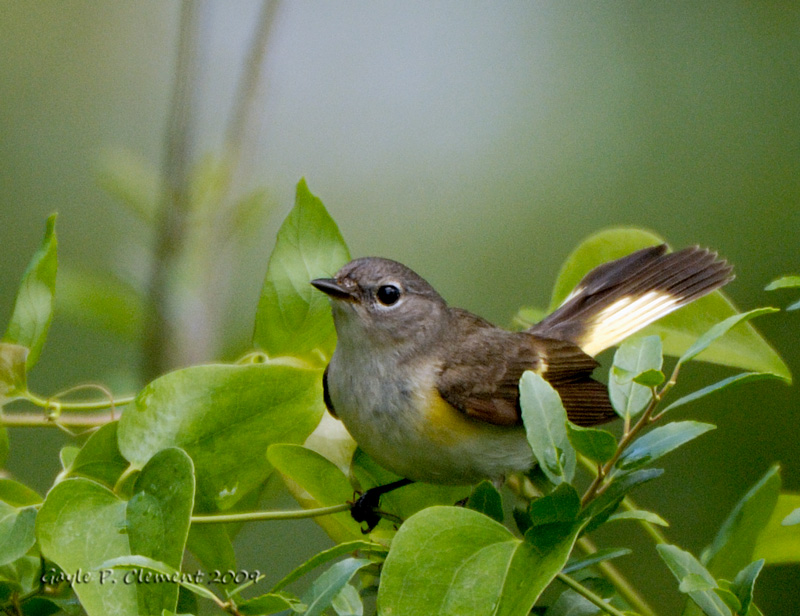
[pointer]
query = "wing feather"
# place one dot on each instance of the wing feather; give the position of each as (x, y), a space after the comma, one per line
(481, 378)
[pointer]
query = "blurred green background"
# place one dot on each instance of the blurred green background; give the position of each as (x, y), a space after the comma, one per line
(476, 142)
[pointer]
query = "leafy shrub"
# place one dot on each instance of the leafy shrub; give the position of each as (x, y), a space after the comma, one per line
(192, 451)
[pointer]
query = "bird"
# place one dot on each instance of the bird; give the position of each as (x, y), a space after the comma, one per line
(431, 392)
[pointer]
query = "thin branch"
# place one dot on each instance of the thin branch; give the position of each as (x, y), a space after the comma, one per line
(41, 420)
(54, 406)
(263, 516)
(621, 584)
(250, 82)
(172, 218)
(589, 595)
(220, 244)
(648, 417)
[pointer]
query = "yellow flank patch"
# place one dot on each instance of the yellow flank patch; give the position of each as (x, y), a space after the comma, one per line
(445, 424)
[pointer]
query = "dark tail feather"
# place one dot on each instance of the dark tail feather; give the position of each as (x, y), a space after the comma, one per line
(617, 299)
(586, 402)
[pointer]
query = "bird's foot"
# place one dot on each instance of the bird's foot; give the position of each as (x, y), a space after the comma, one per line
(366, 507)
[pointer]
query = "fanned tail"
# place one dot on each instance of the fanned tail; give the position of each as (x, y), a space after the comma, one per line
(617, 299)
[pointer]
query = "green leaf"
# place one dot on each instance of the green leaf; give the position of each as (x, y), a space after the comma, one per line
(545, 423)
(137, 563)
(328, 555)
(785, 282)
(608, 501)
(348, 602)
(46, 606)
(528, 316)
(720, 329)
(597, 445)
(82, 524)
(16, 532)
(639, 514)
(33, 309)
(779, 543)
(487, 500)
(561, 505)
(744, 583)
(590, 560)
(293, 318)
(249, 212)
(570, 603)
(329, 584)
(741, 348)
(734, 546)
(17, 494)
(649, 378)
(754, 611)
(454, 561)
(659, 442)
(23, 576)
(67, 455)
(132, 181)
(158, 517)
(225, 417)
(17, 520)
(207, 181)
(737, 379)
(728, 597)
(553, 517)
(13, 378)
(72, 507)
(792, 519)
(522, 519)
(5, 447)
(696, 582)
(633, 358)
(211, 544)
(315, 482)
(99, 458)
(100, 301)
(270, 603)
(694, 579)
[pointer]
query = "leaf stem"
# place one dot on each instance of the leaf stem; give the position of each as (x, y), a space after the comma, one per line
(588, 595)
(56, 406)
(159, 350)
(53, 410)
(40, 420)
(124, 477)
(263, 516)
(619, 581)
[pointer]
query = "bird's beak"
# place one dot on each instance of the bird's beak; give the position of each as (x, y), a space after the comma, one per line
(332, 288)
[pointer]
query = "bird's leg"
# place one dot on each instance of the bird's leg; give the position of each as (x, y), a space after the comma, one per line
(365, 508)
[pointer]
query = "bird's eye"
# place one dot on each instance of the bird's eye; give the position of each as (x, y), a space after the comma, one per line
(388, 294)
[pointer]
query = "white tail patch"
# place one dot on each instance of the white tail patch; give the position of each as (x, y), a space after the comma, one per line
(625, 317)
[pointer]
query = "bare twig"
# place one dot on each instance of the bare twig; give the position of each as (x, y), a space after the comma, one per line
(185, 330)
(39, 420)
(262, 516)
(172, 218)
(250, 83)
